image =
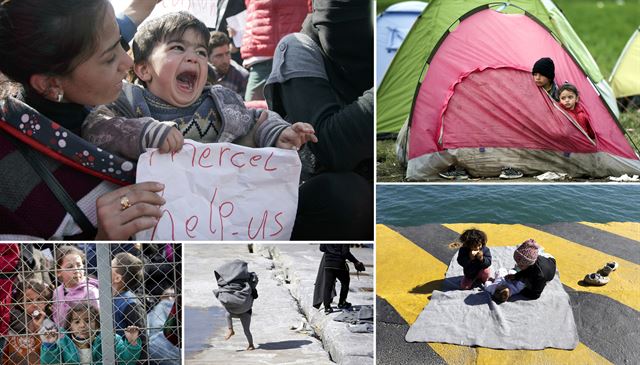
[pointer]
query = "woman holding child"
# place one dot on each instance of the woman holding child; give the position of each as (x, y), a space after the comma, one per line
(66, 55)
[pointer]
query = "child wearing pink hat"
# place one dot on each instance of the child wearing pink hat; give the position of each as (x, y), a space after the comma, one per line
(536, 268)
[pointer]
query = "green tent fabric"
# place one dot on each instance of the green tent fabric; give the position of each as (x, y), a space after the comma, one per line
(625, 77)
(408, 68)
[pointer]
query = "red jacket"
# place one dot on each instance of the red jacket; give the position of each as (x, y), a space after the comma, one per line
(9, 257)
(268, 21)
(580, 115)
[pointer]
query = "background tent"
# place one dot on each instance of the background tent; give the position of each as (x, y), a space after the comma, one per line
(625, 77)
(392, 25)
(408, 68)
(478, 107)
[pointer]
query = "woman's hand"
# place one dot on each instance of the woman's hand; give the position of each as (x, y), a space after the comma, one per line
(292, 138)
(128, 210)
(173, 142)
(132, 333)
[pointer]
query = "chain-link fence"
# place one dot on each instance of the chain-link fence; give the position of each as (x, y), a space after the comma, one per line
(90, 303)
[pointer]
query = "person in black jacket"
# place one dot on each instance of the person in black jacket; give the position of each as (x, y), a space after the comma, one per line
(334, 266)
(475, 258)
(536, 269)
(324, 76)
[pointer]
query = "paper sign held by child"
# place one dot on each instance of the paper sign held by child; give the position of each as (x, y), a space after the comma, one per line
(223, 191)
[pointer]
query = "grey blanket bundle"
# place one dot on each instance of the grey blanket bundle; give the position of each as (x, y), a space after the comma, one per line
(235, 286)
(472, 318)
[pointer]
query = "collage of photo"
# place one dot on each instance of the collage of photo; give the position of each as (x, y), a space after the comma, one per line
(351, 182)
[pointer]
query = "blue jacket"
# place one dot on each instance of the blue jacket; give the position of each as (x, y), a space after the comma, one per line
(473, 267)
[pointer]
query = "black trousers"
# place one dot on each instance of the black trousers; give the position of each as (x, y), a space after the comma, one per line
(330, 276)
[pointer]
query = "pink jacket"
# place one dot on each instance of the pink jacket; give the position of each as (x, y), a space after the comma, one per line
(86, 290)
(268, 21)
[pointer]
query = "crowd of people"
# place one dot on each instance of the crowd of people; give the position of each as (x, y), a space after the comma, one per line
(73, 129)
(53, 309)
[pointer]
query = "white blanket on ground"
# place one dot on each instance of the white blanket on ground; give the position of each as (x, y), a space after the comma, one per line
(471, 318)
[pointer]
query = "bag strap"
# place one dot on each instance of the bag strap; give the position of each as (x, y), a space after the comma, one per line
(35, 160)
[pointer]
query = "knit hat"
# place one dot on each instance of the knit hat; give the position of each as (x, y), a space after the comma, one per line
(545, 67)
(527, 253)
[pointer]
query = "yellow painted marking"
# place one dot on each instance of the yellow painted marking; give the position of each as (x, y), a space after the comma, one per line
(574, 260)
(402, 266)
(630, 230)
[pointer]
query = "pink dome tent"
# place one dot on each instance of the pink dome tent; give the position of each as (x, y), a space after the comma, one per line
(479, 108)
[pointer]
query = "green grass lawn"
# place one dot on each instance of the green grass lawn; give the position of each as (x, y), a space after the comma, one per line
(604, 26)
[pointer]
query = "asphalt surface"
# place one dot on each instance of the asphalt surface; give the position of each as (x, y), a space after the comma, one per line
(411, 262)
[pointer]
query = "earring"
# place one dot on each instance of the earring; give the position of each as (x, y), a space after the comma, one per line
(59, 97)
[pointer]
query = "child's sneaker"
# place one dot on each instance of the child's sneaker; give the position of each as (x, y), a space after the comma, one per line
(510, 173)
(345, 305)
(596, 279)
(328, 310)
(454, 173)
(608, 268)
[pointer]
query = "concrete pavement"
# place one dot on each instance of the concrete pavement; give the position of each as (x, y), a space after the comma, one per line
(275, 313)
(412, 262)
(298, 266)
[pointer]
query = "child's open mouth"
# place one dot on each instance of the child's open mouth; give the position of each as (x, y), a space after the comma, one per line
(187, 81)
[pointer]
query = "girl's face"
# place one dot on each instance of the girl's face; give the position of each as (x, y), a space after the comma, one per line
(98, 80)
(33, 302)
(568, 99)
(71, 271)
(476, 247)
(81, 326)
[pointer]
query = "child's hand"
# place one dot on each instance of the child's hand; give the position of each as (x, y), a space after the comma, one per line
(132, 333)
(173, 142)
(480, 256)
(35, 323)
(50, 336)
(292, 138)
(510, 277)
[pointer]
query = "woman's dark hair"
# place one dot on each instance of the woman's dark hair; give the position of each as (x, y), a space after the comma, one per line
(472, 237)
(165, 29)
(568, 86)
(48, 37)
(82, 309)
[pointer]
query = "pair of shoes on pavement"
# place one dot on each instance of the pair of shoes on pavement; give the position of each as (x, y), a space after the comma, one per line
(454, 173)
(602, 276)
(510, 173)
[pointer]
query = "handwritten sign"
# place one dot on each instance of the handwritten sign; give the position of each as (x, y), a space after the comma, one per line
(205, 10)
(222, 191)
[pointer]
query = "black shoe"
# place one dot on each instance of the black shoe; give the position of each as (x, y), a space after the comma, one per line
(510, 173)
(454, 173)
(345, 305)
(328, 310)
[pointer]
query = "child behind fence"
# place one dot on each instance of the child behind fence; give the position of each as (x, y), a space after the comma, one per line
(81, 341)
(75, 285)
(126, 278)
(29, 321)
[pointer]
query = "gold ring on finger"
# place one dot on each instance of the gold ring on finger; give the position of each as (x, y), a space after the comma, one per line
(124, 203)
